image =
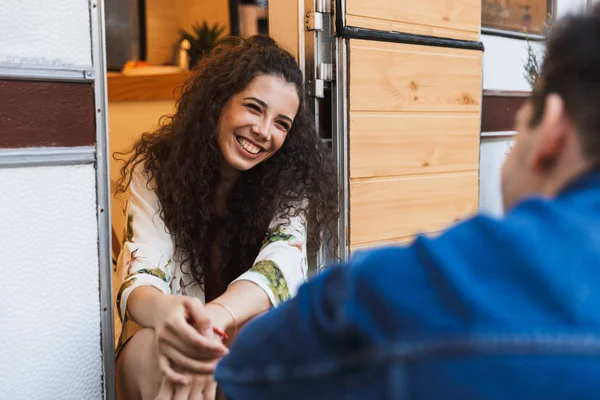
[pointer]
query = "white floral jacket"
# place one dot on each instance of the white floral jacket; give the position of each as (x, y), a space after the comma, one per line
(147, 257)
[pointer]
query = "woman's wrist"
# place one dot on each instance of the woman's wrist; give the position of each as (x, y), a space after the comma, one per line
(145, 305)
(220, 318)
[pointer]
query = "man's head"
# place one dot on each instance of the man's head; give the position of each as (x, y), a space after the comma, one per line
(558, 128)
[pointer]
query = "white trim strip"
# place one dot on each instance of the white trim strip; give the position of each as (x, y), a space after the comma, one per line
(46, 156)
(27, 72)
(491, 135)
(486, 30)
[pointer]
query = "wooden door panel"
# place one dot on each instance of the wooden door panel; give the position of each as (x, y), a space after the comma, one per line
(454, 19)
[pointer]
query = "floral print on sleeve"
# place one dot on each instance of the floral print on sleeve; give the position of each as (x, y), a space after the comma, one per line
(281, 267)
(128, 231)
(273, 237)
(140, 274)
(275, 277)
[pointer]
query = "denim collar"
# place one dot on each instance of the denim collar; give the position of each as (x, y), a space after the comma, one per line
(588, 180)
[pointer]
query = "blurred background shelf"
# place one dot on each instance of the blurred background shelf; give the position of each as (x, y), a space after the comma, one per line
(140, 87)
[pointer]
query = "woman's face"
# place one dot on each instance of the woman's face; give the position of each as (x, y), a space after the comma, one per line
(254, 123)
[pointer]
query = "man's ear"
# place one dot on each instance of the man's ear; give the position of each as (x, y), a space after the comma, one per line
(551, 134)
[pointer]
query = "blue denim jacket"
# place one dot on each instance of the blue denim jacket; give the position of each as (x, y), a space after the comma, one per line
(491, 309)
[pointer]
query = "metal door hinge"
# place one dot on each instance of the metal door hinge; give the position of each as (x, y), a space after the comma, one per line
(313, 21)
(324, 6)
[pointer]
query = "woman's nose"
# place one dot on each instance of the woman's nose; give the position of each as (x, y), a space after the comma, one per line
(261, 130)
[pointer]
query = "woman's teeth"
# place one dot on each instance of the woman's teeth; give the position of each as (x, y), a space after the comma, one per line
(248, 146)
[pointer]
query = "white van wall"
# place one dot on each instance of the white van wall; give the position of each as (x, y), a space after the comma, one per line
(48, 33)
(54, 242)
(50, 319)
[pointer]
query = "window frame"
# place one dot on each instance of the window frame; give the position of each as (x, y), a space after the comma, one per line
(513, 34)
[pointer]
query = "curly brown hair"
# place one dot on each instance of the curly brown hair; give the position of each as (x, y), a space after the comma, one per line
(181, 160)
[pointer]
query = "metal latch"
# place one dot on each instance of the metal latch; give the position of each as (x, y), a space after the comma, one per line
(316, 88)
(313, 21)
(325, 72)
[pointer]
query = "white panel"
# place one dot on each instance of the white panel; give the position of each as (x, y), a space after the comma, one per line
(493, 153)
(504, 62)
(564, 7)
(49, 291)
(504, 58)
(49, 33)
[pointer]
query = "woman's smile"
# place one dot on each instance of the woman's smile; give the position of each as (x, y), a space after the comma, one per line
(248, 148)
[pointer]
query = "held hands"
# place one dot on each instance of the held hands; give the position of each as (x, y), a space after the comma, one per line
(199, 387)
(188, 350)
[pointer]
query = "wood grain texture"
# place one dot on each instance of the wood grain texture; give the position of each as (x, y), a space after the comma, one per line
(455, 19)
(285, 25)
(145, 87)
(400, 77)
(414, 134)
(388, 144)
(393, 242)
(399, 207)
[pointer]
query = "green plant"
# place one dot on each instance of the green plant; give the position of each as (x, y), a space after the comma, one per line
(202, 39)
(532, 65)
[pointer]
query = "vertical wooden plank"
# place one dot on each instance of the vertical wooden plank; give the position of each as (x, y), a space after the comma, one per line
(285, 25)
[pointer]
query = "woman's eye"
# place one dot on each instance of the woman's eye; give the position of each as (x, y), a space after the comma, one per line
(253, 107)
(283, 126)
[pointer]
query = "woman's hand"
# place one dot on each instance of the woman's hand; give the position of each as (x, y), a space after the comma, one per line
(200, 387)
(184, 339)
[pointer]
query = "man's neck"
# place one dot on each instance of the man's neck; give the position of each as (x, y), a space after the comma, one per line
(563, 176)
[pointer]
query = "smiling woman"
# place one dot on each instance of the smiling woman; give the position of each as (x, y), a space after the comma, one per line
(255, 122)
(225, 200)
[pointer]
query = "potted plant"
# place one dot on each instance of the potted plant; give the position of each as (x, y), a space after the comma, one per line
(199, 42)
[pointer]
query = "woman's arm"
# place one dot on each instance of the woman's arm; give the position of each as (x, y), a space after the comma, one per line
(279, 269)
(143, 303)
(242, 301)
(146, 255)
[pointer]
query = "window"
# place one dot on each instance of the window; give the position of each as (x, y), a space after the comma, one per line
(518, 17)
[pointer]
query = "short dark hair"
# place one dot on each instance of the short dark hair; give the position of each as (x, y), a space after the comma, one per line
(571, 69)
